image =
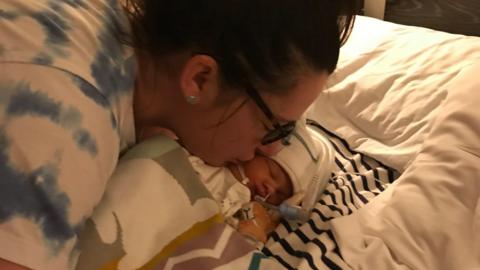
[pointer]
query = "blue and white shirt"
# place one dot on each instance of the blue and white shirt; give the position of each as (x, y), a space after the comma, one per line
(66, 90)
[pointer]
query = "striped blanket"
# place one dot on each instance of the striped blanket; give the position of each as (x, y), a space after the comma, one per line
(356, 180)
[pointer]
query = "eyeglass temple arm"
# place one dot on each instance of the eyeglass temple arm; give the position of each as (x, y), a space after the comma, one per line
(258, 99)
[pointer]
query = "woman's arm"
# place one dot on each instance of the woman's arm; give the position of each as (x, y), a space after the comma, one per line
(58, 148)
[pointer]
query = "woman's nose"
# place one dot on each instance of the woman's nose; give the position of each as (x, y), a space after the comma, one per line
(270, 149)
(248, 156)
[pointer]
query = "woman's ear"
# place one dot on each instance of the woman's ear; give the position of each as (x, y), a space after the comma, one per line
(199, 81)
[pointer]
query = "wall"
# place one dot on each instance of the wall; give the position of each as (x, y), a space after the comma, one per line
(455, 16)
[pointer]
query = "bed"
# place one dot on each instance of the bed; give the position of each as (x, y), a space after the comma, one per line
(401, 113)
(392, 84)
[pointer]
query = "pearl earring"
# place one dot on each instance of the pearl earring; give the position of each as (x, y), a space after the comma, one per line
(192, 99)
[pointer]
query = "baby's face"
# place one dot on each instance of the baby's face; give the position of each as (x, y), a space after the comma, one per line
(267, 178)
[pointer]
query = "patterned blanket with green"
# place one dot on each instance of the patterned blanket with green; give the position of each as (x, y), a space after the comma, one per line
(157, 214)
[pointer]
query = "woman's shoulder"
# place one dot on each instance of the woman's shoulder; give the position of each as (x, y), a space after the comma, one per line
(80, 38)
(77, 36)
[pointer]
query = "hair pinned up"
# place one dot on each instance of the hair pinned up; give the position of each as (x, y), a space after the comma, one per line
(265, 42)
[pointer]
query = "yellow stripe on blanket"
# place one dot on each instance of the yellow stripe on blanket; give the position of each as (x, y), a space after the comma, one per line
(196, 230)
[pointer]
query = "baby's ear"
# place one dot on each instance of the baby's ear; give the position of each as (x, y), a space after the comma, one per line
(296, 199)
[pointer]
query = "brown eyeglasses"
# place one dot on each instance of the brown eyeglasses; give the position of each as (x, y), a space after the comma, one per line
(279, 131)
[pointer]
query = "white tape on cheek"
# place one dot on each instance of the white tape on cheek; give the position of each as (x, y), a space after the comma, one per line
(262, 199)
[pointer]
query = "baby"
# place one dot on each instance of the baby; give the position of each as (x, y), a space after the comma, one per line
(266, 179)
(285, 176)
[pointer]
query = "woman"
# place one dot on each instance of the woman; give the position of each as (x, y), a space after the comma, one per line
(82, 79)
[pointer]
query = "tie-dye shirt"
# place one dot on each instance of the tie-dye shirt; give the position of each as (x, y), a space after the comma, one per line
(66, 89)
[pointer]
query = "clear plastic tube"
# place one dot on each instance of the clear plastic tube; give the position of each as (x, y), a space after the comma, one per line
(311, 196)
(287, 211)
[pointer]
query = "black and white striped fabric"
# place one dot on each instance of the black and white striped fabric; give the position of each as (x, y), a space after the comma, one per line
(355, 181)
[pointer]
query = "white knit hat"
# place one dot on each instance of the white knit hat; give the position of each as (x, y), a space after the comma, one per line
(297, 158)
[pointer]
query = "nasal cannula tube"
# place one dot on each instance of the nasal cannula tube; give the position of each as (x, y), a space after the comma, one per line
(287, 211)
(312, 195)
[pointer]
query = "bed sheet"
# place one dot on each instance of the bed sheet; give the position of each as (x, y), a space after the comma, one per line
(393, 88)
(431, 218)
(390, 82)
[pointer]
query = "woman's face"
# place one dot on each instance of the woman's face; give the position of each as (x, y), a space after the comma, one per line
(238, 138)
(223, 126)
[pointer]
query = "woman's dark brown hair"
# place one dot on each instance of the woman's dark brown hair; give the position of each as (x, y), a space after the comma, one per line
(264, 42)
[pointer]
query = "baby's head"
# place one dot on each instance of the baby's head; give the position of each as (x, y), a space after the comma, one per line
(268, 180)
(290, 171)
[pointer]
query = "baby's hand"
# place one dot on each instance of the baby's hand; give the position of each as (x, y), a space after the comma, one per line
(256, 222)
